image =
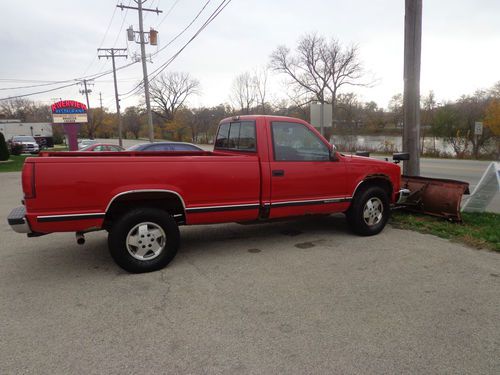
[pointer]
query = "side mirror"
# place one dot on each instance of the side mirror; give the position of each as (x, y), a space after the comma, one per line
(333, 155)
(399, 156)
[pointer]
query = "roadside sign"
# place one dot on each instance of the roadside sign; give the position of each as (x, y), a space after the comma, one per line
(485, 190)
(69, 112)
(478, 128)
(316, 115)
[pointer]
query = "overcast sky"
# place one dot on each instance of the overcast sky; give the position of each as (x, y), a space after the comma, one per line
(57, 40)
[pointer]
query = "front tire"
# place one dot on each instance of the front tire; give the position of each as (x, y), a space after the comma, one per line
(369, 212)
(143, 240)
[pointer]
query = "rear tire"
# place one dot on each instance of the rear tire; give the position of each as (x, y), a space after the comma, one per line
(143, 240)
(369, 211)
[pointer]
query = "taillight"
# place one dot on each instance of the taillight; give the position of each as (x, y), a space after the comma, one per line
(29, 180)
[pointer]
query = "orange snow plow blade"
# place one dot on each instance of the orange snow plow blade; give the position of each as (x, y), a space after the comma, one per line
(434, 196)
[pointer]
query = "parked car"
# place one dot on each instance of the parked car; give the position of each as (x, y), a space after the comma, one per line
(86, 142)
(262, 168)
(102, 147)
(165, 146)
(27, 142)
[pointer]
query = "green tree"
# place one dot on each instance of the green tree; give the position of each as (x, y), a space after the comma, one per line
(447, 124)
(4, 151)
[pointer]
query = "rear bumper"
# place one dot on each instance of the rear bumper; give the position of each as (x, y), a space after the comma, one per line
(17, 220)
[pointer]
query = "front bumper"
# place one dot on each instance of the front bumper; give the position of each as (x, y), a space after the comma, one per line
(17, 220)
(402, 196)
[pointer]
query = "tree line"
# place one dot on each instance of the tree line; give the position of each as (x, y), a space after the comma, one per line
(316, 69)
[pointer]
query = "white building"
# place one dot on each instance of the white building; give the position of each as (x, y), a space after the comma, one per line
(11, 128)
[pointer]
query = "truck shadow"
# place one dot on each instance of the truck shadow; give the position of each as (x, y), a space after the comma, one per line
(59, 257)
(194, 239)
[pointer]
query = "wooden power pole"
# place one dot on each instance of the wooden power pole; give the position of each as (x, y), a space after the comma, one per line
(115, 52)
(142, 41)
(411, 105)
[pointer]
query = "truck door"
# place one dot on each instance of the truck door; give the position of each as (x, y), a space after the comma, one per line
(304, 179)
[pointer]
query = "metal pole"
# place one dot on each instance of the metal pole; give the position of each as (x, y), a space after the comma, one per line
(145, 73)
(411, 129)
(322, 118)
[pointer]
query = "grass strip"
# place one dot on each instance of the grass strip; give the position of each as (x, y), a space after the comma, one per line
(479, 230)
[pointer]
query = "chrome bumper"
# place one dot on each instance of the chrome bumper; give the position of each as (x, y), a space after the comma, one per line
(403, 195)
(17, 220)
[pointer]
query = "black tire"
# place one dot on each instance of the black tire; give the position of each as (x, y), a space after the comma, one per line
(128, 229)
(356, 213)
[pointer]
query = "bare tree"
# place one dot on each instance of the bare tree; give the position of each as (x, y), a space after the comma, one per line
(260, 82)
(170, 91)
(318, 68)
(24, 110)
(244, 93)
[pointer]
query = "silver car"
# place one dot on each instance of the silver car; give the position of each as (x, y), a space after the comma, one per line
(27, 142)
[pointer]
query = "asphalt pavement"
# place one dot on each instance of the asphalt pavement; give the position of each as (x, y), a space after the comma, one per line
(299, 297)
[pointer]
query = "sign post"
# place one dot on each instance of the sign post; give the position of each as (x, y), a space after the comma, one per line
(71, 114)
(321, 116)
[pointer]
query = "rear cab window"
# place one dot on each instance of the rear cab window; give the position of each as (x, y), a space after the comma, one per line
(237, 136)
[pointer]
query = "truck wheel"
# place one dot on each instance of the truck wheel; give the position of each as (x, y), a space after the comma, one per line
(369, 211)
(143, 240)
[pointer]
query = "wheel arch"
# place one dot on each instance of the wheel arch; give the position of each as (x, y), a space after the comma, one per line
(168, 200)
(380, 180)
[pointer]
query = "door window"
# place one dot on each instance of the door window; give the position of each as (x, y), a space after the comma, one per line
(295, 142)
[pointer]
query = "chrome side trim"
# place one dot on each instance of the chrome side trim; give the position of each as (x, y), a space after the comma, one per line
(145, 191)
(311, 201)
(65, 217)
(229, 207)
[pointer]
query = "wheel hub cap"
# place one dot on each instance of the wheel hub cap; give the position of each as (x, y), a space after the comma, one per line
(146, 241)
(373, 210)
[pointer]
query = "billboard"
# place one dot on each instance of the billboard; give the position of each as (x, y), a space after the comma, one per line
(69, 112)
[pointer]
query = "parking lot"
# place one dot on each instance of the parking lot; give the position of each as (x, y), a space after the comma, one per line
(294, 297)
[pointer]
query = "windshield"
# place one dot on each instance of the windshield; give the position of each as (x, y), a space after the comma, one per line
(135, 147)
(24, 139)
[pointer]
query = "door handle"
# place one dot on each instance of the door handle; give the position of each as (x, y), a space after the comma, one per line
(278, 173)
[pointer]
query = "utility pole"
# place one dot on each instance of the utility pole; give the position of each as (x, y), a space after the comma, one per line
(411, 105)
(142, 42)
(86, 91)
(112, 52)
(100, 99)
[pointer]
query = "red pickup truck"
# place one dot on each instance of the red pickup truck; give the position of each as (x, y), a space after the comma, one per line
(262, 168)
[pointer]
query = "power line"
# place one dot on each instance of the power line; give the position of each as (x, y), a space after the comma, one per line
(31, 86)
(168, 12)
(184, 30)
(39, 92)
(162, 67)
(102, 41)
(121, 26)
(98, 75)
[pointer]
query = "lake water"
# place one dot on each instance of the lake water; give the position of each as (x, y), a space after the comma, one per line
(391, 144)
